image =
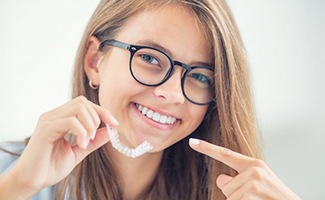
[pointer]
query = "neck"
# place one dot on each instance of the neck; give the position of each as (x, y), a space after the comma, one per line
(136, 174)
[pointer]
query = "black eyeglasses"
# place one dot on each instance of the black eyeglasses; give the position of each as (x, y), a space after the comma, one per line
(152, 67)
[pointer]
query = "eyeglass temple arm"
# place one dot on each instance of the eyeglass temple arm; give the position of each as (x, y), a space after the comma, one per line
(116, 44)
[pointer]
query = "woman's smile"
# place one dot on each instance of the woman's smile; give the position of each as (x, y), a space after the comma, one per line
(154, 118)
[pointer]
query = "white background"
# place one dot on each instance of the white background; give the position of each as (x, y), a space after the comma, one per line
(285, 45)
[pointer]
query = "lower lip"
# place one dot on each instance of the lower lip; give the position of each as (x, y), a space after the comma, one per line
(152, 122)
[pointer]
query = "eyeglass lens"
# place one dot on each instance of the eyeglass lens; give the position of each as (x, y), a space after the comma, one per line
(151, 67)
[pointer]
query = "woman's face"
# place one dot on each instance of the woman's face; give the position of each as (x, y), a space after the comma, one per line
(175, 30)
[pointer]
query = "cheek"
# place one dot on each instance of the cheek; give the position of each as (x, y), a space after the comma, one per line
(195, 116)
(114, 70)
(114, 74)
(116, 87)
(110, 84)
(106, 96)
(199, 112)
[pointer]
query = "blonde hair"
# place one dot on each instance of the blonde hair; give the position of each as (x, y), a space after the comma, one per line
(229, 121)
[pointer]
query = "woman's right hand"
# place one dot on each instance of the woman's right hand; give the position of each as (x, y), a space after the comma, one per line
(49, 157)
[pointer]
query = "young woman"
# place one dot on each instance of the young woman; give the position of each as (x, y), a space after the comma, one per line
(171, 74)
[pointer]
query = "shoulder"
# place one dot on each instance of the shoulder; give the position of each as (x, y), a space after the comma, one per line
(9, 154)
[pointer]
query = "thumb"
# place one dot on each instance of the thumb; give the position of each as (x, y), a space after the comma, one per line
(223, 180)
(101, 138)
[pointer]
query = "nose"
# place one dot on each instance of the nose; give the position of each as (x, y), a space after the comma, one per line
(171, 90)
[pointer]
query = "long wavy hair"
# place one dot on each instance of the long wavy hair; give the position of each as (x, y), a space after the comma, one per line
(229, 121)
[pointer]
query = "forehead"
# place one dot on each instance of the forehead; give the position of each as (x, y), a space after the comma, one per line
(172, 26)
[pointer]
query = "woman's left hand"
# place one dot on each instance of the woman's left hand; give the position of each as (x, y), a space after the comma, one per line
(255, 180)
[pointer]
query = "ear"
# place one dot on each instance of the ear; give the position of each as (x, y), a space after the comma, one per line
(92, 60)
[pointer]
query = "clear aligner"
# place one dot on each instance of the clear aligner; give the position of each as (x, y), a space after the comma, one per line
(144, 147)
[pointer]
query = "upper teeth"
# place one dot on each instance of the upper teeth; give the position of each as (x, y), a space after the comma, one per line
(163, 119)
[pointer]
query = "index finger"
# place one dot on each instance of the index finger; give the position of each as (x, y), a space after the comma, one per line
(235, 160)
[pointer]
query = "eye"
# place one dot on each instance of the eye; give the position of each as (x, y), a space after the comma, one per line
(200, 77)
(150, 59)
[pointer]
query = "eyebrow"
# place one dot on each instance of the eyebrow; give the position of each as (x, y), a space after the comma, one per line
(161, 48)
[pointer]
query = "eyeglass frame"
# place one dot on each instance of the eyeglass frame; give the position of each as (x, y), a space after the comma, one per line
(134, 48)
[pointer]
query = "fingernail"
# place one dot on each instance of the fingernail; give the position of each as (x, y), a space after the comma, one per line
(93, 135)
(84, 145)
(110, 128)
(194, 141)
(115, 122)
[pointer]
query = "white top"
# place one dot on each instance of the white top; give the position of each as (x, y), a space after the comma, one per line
(7, 161)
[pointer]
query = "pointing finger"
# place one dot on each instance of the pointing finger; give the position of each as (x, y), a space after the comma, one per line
(233, 159)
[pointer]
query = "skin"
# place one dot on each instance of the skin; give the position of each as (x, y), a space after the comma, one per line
(49, 158)
(255, 179)
(166, 98)
(111, 68)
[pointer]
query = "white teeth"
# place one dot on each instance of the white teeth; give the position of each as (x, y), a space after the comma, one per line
(173, 120)
(169, 120)
(140, 107)
(156, 117)
(150, 114)
(144, 110)
(163, 119)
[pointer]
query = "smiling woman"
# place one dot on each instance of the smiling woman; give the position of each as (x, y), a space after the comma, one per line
(183, 92)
